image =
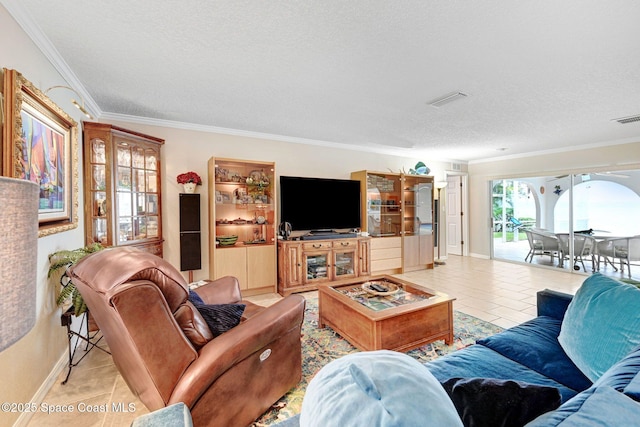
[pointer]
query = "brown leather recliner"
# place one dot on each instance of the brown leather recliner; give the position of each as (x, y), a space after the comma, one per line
(165, 351)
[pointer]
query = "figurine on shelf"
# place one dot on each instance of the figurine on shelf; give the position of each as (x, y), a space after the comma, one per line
(101, 205)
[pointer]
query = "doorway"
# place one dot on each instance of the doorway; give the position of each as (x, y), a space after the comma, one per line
(602, 205)
(453, 214)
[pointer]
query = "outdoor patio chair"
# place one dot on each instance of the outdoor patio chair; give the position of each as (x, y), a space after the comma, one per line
(634, 252)
(625, 249)
(515, 224)
(541, 244)
(609, 250)
(584, 245)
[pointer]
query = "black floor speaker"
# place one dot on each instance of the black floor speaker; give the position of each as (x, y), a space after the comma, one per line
(190, 234)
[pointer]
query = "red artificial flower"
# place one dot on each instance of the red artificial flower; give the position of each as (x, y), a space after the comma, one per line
(185, 178)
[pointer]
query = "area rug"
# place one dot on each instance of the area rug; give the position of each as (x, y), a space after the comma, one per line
(321, 346)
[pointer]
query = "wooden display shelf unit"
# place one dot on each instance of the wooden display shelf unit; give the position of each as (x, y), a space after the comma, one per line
(242, 203)
(303, 265)
(397, 212)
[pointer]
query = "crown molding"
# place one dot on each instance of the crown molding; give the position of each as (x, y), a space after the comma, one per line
(406, 153)
(18, 12)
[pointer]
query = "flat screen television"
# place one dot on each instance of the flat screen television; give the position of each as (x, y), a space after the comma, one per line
(319, 204)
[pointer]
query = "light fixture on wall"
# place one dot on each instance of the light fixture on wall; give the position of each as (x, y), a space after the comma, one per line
(439, 185)
(79, 106)
(18, 254)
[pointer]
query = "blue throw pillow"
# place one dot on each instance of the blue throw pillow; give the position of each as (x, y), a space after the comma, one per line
(381, 388)
(602, 324)
(195, 298)
(599, 406)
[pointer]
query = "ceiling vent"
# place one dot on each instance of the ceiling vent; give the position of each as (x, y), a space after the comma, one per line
(437, 103)
(630, 119)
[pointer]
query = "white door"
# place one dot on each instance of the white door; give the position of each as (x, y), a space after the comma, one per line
(454, 211)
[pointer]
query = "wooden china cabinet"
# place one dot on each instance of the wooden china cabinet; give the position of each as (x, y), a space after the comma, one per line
(122, 187)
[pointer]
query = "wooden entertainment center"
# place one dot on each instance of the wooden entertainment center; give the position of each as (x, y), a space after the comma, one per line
(394, 210)
(304, 264)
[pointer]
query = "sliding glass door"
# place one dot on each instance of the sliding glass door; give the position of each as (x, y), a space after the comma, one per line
(562, 221)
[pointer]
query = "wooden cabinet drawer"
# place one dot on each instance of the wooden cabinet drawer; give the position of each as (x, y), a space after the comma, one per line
(316, 245)
(386, 243)
(345, 243)
(385, 264)
(389, 253)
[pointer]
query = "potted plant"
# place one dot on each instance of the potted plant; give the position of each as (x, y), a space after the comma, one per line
(189, 180)
(63, 260)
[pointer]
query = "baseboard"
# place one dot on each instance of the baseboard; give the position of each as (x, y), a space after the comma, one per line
(474, 255)
(25, 417)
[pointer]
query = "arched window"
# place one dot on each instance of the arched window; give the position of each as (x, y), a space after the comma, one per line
(604, 206)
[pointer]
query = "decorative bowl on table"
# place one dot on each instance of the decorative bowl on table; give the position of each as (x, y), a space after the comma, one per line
(380, 287)
(227, 240)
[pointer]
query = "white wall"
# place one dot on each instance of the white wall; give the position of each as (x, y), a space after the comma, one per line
(27, 364)
(599, 159)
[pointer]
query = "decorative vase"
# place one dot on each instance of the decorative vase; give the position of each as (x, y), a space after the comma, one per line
(189, 187)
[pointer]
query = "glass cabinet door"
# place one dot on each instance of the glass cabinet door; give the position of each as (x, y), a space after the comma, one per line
(417, 209)
(317, 266)
(137, 191)
(383, 205)
(344, 263)
(97, 196)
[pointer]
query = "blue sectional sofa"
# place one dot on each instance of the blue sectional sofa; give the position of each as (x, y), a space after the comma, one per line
(584, 348)
(529, 352)
(598, 330)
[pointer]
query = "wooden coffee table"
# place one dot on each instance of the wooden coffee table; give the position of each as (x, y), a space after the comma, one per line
(411, 317)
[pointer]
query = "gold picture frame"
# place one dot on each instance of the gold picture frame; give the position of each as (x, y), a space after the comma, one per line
(40, 144)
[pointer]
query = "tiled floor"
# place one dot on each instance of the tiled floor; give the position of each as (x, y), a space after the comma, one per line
(499, 292)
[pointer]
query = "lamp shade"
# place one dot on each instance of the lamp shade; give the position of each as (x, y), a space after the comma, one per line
(18, 254)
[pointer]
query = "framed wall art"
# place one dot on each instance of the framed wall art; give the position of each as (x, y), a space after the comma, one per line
(40, 144)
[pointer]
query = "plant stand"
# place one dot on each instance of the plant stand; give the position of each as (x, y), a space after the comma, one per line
(89, 337)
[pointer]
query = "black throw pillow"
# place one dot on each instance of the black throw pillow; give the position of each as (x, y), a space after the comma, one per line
(492, 402)
(219, 317)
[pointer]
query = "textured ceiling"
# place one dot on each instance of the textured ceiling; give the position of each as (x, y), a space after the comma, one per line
(540, 75)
